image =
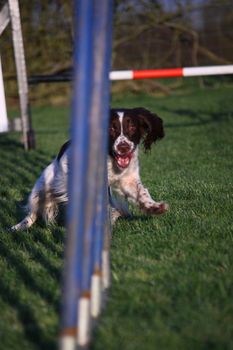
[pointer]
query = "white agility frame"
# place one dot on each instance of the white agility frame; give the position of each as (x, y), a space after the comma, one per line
(10, 14)
(3, 115)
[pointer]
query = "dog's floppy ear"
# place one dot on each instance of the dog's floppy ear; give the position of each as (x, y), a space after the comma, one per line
(151, 127)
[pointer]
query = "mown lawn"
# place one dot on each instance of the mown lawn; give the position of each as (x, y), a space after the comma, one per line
(172, 280)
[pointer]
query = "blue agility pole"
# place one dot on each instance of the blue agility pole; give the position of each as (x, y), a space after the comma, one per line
(88, 154)
(102, 48)
(78, 171)
(97, 158)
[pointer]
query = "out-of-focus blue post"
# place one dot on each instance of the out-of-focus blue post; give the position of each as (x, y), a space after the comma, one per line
(87, 184)
(102, 48)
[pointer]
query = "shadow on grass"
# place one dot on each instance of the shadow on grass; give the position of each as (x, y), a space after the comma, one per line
(9, 142)
(19, 171)
(56, 242)
(33, 332)
(16, 261)
(11, 147)
(137, 217)
(50, 236)
(13, 255)
(38, 254)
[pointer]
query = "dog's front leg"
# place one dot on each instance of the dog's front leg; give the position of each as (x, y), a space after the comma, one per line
(137, 194)
(147, 204)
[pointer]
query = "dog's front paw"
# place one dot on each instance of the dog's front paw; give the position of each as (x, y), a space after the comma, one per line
(156, 208)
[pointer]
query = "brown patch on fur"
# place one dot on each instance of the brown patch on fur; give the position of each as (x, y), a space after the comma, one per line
(151, 127)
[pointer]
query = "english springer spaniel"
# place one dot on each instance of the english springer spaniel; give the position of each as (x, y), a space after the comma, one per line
(127, 128)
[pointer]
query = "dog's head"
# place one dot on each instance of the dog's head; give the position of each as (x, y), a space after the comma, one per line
(129, 127)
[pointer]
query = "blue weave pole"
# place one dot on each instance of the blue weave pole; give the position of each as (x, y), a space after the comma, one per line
(102, 48)
(97, 167)
(88, 154)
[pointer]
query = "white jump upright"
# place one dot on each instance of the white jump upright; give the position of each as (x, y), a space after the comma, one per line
(10, 13)
(3, 114)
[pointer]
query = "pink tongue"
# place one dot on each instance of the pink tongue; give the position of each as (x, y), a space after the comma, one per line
(123, 162)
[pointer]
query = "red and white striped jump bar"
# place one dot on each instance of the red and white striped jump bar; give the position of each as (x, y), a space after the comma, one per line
(171, 72)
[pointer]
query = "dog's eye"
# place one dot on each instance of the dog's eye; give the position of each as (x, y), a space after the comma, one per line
(112, 130)
(132, 128)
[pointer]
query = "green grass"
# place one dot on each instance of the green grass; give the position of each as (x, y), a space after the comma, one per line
(171, 275)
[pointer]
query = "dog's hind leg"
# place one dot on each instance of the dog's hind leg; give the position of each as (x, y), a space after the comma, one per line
(40, 201)
(33, 211)
(27, 222)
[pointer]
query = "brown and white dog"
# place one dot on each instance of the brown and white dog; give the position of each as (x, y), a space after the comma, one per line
(127, 128)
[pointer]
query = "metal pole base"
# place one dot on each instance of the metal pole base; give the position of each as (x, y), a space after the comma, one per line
(31, 139)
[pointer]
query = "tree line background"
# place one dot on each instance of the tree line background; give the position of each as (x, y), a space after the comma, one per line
(147, 34)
